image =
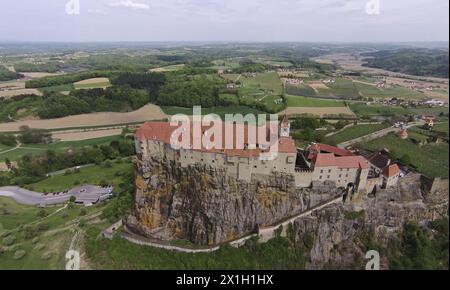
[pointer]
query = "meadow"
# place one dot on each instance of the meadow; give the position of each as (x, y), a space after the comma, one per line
(93, 83)
(357, 131)
(95, 175)
(38, 149)
(300, 101)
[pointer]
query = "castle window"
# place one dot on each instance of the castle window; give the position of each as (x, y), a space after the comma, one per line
(255, 166)
(320, 177)
(340, 175)
(346, 175)
(328, 177)
(329, 171)
(321, 171)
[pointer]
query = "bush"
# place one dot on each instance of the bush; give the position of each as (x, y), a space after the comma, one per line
(9, 240)
(83, 212)
(19, 254)
(42, 213)
(46, 256)
(39, 247)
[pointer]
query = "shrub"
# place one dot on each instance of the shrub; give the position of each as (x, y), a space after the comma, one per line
(46, 256)
(83, 212)
(19, 254)
(39, 247)
(9, 240)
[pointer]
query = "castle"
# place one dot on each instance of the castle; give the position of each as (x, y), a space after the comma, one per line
(318, 163)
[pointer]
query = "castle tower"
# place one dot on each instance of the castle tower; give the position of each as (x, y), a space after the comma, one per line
(285, 127)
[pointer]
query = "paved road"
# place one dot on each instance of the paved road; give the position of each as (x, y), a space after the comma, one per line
(85, 194)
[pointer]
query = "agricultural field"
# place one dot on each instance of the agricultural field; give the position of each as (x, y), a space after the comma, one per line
(300, 101)
(371, 91)
(94, 83)
(357, 131)
(225, 64)
(58, 89)
(431, 159)
(322, 112)
(168, 68)
(231, 77)
(263, 84)
(362, 109)
(441, 127)
(95, 175)
(146, 113)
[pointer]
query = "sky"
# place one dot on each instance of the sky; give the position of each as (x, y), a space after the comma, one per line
(224, 20)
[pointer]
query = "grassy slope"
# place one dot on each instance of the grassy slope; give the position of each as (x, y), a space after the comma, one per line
(89, 175)
(57, 146)
(357, 131)
(55, 240)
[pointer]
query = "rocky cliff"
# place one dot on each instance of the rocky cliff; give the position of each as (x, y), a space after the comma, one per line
(343, 232)
(207, 206)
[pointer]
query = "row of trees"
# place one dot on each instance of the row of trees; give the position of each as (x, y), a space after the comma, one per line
(7, 75)
(26, 135)
(115, 99)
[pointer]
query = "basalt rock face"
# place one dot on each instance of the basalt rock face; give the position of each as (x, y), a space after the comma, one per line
(342, 231)
(208, 206)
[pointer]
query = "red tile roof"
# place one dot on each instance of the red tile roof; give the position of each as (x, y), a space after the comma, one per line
(325, 148)
(330, 160)
(391, 170)
(162, 131)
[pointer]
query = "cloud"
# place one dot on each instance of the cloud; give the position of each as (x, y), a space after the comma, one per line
(129, 4)
(97, 11)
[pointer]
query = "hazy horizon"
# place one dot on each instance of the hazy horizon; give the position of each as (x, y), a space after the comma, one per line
(247, 21)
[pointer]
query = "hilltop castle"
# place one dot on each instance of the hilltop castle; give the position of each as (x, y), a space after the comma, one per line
(318, 163)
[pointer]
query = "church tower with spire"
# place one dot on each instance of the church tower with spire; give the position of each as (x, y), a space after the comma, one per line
(285, 127)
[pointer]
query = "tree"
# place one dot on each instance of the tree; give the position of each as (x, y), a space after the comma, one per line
(8, 163)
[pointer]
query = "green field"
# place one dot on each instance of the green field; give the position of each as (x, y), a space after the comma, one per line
(344, 88)
(94, 175)
(357, 131)
(299, 101)
(370, 91)
(37, 149)
(61, 88)
(230, 77)
(98, 85)
(263, 84)
(441, 127)
(430, 159)
(168, 68)
(362, 109)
